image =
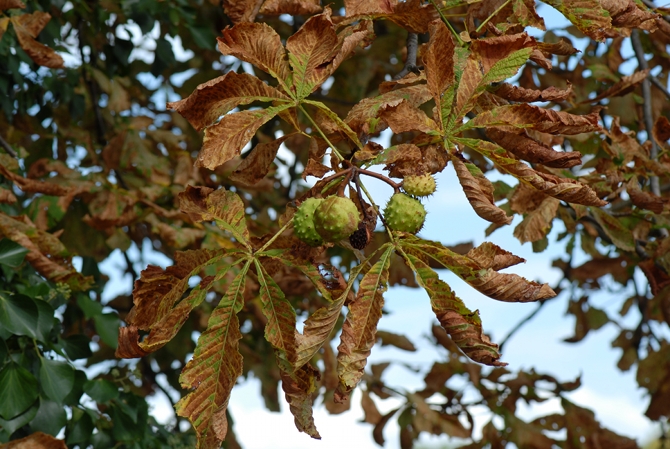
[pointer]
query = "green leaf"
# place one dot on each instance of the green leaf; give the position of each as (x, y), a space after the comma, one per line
(359, 331)
(11, 254)
(107, 325)
(18, 390)
(80, 428)
(56, 379)
(50, 418)
(90, 307)
(463, 326)
(101, 390)
(214, 368)
(45, 320)
(77, 391)
(77, 346)
(8, 427)
(18, 314)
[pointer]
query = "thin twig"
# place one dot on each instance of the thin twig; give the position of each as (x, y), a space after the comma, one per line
(447, 23)
(8, 148)
(521, 323)
(410, 62)
(648, 112)
(495, 13)
(659, 85)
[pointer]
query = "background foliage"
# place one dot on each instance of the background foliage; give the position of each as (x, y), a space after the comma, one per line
(94, 163)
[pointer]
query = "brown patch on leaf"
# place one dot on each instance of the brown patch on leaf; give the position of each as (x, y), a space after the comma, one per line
(6, 196)
(561, 48)
(661, 130)
(644, 200)
(438, 59)
(242, 10)
(27, 27)
(293, 7)
(37, 440)
(537, 224)
(489, 255)
(9, 4)
(256, 165)
(515, 93)
(219, 96)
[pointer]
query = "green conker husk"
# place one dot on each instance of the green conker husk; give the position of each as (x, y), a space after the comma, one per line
(336, 218)
(404, 213)
(303, 222)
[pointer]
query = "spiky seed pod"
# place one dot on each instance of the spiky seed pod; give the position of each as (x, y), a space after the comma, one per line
(422, 185)
(336, 218)
(303, 222)
(404, 213)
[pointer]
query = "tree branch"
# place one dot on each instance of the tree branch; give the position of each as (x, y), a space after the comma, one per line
(410, 62)
(8, 148)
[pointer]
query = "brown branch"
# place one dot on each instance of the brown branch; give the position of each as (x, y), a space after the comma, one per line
(8, 148)
(410, 62)
(521, 323)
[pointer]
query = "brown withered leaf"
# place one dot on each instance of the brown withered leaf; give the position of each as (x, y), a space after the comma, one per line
(27, 27)
(256, 165)
(257, 44)
(513, 117)
(561, 48)
(128, 343)
(158, 290)
(627, 14)
(527, 148)
(515, 93)
(362, 118)
(6, 196)
(479, 192)
(412, 15)
(582, 426)
(565, 189)
(213, 371)
(525, 198)
(293, 7)
(315, 168)
(436, 422)
(397, 340)
(621, 87)
(619, 234)
(405, 117)
(36, 440)
(526, 15)
(225, 140)
(587, 318)
(219, 96)
(463, 326)
(644, 200)
(360, 327)
(9, 4)
(299, 386)
(224, 207)
(526, 435)
(378, 431)
(588, 16)
(372, 415)
(46, 253)
(499, 286)
(661, 130)
(242, 10)
(439, 59)
(537, 224)
(489, 255)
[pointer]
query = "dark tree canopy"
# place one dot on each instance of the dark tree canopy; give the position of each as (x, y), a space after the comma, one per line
(158, 126)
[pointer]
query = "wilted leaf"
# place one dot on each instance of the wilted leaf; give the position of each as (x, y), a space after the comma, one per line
(37, 440)
(9, 4)
(519, 116)
(214, 368)
(260, 45)
(500, 286)
(256, 165)
(564, 189)
(219, 96)
(584, 432)
(222, 206)
(293, 7)
(479, 192)
(617, 232)
(622, 87)
(360, 327)
(27, 27)
(299, 386)
(587, 15)
(242, 10)
(526, 148)
(397, 340)
(436, 422)
(489, 255)
(537, 224)
(644, 200)
(463, 326)
(225, 139)
(280, 328)
(515, 93)
(439, 60)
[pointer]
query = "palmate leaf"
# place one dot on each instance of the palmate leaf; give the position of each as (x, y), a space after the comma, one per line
(499, 286)
(360, 327)
(463, 326)
(214, 368)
